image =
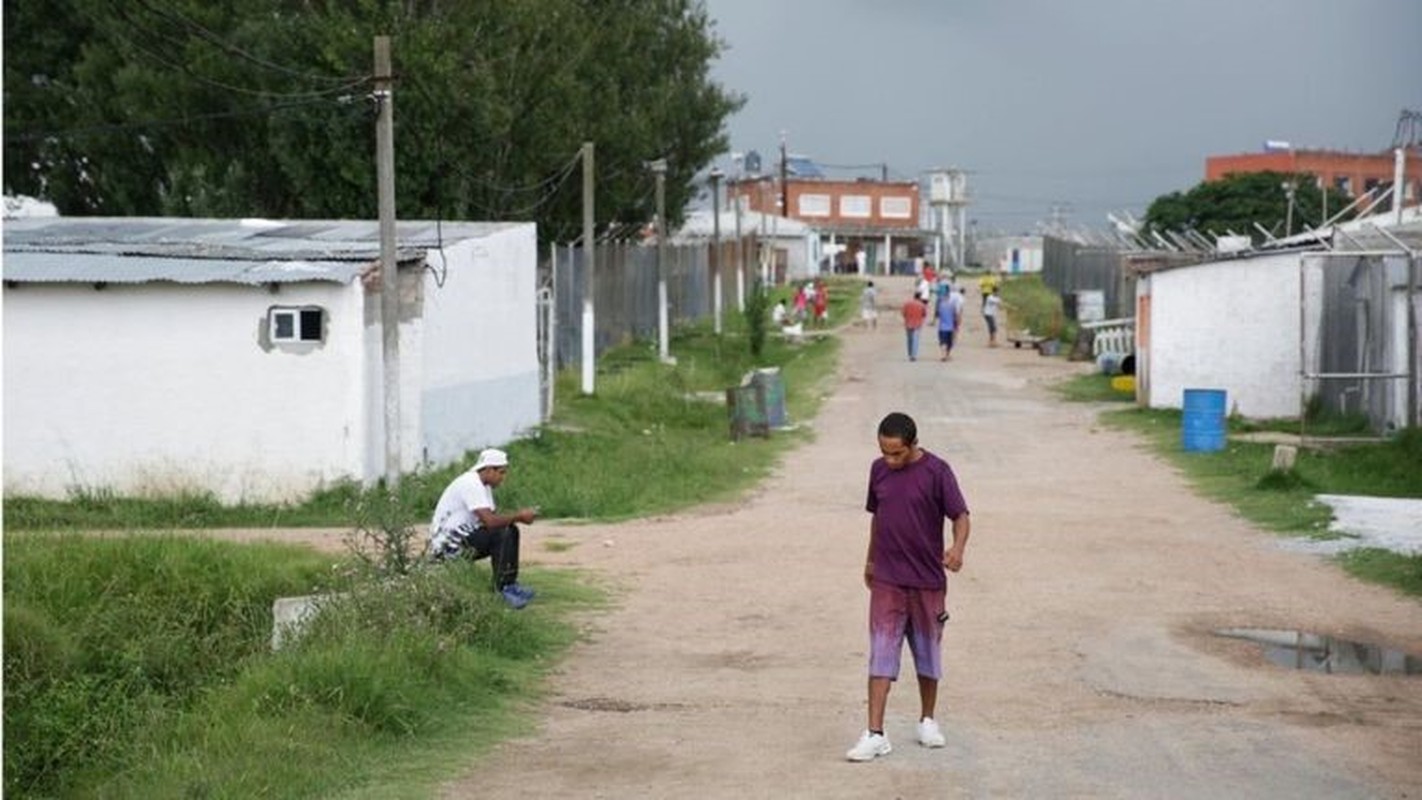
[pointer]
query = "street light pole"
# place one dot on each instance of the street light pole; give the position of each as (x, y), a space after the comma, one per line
(716, 176)
(659, 168)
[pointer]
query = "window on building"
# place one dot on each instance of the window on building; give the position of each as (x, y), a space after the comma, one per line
(895, 207)
(814, 205)
(306, 324)
(857, 206)
(1344, 185)
(1369, 184)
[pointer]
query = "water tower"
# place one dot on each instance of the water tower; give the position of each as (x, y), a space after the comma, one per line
(948, 196)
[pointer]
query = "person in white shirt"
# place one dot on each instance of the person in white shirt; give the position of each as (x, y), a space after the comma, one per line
(992, 304)
(467, 524)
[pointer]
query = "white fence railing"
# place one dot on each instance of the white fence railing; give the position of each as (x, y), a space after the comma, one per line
(1116, 336)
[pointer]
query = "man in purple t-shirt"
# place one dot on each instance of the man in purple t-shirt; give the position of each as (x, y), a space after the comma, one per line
(911, 492)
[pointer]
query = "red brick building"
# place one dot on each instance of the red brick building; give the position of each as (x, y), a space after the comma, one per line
(1350, 173)
(858, 205)
(880, 218)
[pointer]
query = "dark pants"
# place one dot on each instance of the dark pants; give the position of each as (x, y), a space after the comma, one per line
(499, 545)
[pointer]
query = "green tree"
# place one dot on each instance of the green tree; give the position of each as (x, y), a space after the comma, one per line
(1237, 201)
(263, 107)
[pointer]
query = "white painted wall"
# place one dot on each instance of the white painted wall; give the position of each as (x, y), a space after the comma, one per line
(996, 253)
(1231, 325)
(479, 383)
(149, 389)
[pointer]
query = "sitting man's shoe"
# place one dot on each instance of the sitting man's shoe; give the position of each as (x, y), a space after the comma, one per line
(513, 598)
(869, 747)
(523, 591)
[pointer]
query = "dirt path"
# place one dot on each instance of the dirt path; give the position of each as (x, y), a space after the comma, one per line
(1079, 657)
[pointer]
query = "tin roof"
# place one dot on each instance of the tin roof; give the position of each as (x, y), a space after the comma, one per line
(250, 251)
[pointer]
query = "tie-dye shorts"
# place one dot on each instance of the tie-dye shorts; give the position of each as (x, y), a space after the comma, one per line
(897, 613)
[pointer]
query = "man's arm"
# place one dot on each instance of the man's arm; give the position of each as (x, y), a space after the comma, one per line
(869, 554)
(953, 556)
(489, 520)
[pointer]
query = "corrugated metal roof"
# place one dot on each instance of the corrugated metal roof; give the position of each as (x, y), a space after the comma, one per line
(142, 249)
(43, 267)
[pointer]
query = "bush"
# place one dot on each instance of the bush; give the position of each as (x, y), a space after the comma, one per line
(1032, 305)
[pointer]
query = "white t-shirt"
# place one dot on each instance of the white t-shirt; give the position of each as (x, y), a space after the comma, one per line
(455, 508)
(990, 305)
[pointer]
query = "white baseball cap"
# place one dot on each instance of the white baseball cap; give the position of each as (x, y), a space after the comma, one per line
(491, 457)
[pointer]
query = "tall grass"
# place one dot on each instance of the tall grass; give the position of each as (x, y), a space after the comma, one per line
(1032, 305)
(139, 667)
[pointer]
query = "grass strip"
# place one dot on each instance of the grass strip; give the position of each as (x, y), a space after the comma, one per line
(1241, 476)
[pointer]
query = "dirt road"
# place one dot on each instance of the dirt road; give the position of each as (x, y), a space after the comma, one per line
(1079, 658)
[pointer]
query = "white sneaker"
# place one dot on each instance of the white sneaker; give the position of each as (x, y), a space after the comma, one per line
(869, 747)
(928, 733)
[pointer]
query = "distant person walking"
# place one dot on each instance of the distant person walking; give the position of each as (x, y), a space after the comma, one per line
(992, 306)
(868, 311)
(949, 319)
(821, 303)
(911, 492)
(914, 310)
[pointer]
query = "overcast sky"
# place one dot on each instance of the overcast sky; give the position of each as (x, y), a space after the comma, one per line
(1099, 104)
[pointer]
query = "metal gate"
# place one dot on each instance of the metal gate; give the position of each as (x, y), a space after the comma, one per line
(1358, 342)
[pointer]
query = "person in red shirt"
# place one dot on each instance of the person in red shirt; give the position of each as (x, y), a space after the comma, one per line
(821, 303)
(914, 311)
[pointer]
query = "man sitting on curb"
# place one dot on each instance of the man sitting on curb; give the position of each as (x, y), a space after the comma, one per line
(466, 524)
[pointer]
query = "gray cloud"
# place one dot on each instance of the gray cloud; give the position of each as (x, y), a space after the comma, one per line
(1103, 104)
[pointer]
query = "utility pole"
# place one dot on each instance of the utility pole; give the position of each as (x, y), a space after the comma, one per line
(740, 248)
(659, 168)
(784, 206)
(589, 249)
(716, 176)
(389, 279)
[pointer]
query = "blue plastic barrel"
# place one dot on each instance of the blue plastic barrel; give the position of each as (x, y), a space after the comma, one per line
(1202, 428)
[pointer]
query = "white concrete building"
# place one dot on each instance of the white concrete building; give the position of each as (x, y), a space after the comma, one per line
(792, 245)
(244, 358)
(1231, 325)
(1010, 255)
(1278, 329)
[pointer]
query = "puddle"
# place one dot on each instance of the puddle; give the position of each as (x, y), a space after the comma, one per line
(1308, 651)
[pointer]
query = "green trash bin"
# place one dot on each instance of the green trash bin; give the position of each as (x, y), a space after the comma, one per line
(773, 388)
(746, 407)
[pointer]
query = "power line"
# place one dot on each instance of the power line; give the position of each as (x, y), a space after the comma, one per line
(122, 127)
(213, 38)
(185, 69)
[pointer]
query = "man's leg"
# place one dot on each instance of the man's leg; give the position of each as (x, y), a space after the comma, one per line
(500, 545)
(927, 696)
(878, 701)
(503, 553)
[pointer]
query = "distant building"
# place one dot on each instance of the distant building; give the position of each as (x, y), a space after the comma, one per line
(1352, 174)
(880, 218)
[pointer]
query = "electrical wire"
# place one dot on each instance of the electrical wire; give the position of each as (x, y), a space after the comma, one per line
(146, 49)
(213, 38)
(139, 125)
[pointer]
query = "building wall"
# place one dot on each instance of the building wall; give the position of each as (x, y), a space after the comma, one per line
(479, 384)
(1351, 173)
(1231, 325)
(1011, 255)
(890, 205)
(151, 389)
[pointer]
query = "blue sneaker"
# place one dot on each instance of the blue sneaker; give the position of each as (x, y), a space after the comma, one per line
(513, 598)
(527, 593)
